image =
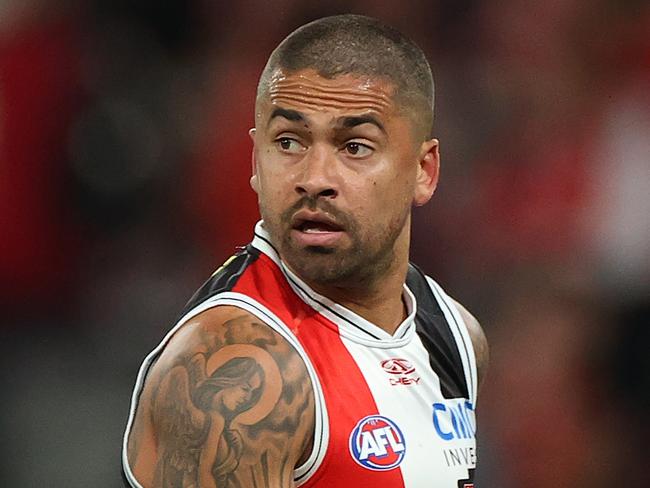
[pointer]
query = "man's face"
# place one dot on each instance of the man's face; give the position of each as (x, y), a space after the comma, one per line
(337, 168)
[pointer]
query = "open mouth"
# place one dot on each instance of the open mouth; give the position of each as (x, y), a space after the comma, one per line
(313, 229)
(309, 221)
(316, 226)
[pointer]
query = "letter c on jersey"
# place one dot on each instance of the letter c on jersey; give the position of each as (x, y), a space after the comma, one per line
(377, 443)
(454, 419)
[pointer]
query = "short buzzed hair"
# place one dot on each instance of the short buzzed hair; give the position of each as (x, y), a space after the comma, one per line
(359, 45)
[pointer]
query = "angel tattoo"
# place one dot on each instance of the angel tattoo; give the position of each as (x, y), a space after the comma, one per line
(201, 406)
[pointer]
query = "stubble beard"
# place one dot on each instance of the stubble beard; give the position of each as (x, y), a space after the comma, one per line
(367, 258)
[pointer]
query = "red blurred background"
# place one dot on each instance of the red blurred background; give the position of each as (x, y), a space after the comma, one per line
(124, 167)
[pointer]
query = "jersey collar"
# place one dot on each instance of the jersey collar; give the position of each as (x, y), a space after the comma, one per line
(350, 324)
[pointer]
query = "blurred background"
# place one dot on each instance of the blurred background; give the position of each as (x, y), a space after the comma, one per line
(124, 166)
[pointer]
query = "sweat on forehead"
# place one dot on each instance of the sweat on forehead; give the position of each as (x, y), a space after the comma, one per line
(308, 89)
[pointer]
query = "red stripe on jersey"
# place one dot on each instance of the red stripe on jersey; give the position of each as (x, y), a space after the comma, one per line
(346, 392)
(348, 400)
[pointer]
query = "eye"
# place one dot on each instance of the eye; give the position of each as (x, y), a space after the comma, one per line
(289, 145)
(357, 150)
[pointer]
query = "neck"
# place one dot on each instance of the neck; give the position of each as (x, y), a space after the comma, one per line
(379, 302)
(381, 305)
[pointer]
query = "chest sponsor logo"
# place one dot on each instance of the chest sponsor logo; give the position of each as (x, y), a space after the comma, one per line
(397, 366)
(377, 443)
(455, 423)
(454, 419)
(401, 370)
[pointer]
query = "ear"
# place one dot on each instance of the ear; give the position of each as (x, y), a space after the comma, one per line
(253, 181)
(428, 171)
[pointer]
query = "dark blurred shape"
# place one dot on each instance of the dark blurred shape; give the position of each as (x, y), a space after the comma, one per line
(116, 152)
(176, 24)
(630, 361)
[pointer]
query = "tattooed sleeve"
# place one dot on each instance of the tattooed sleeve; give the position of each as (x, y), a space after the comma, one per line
(227, 405)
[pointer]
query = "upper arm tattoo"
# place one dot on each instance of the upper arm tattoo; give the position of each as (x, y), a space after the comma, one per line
(234, 413)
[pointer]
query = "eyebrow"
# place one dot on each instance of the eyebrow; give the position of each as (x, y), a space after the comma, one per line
(288, 114)
(353, 121)
(344, 122)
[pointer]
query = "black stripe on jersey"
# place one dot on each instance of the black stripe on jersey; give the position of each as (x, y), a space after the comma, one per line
(225, 278)
(319, 302)
(437, 337)
(462, 338)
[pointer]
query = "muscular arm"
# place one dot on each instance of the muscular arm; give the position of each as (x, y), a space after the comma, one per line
(228, 404)
(479, 342)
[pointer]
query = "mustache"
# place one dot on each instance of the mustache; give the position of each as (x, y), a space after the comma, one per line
(315, 203)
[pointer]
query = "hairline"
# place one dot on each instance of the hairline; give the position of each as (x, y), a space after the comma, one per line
(403, 100)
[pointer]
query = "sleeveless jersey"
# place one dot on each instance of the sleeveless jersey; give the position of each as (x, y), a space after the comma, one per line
(394, 411)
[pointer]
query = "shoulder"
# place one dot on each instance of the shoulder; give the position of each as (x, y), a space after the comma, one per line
(226, 330)
(220, 397)
(479, 340)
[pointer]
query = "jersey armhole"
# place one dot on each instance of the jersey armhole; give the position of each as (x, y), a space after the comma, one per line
(303, 472)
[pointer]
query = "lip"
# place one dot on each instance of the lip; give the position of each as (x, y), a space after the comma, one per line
(305, 215)
(321, 238)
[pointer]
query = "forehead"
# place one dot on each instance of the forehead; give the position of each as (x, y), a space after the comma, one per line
(307, 91)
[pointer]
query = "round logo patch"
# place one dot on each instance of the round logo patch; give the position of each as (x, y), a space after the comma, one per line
(377, 443)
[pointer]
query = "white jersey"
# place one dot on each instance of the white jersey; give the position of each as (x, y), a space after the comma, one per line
(392, 411)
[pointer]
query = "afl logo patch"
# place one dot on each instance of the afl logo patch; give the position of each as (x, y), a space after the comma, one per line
(377, 443)
(397, 366)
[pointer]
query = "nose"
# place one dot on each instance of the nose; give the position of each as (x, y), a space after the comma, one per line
(318, 176)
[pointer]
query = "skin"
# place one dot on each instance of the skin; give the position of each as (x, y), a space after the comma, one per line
(479, 342)
(312, 149)
(234, 397)
(176, 442)
(335, 149)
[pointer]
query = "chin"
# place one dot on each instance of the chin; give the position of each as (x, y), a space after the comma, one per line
(320, 250)
(322, 266)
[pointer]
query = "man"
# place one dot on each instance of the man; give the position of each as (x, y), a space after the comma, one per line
(318, 356)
